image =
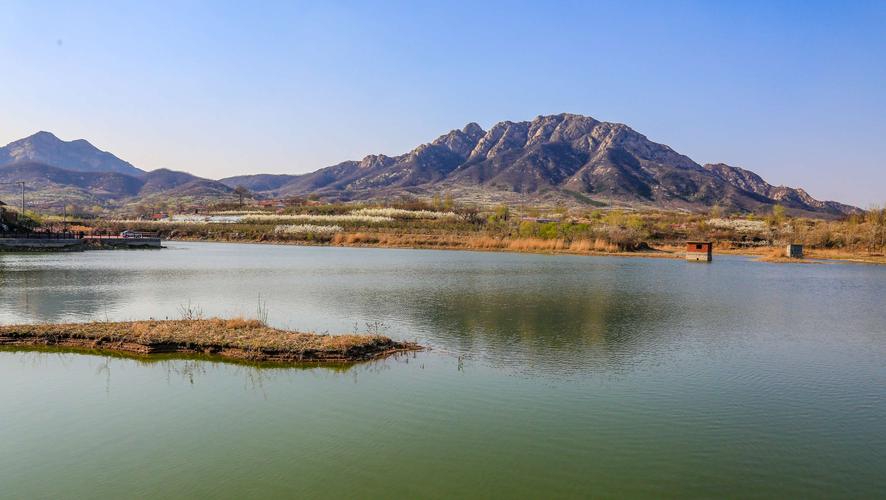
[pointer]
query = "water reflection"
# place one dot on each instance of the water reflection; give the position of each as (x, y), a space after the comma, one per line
(548, 377)
(190, 370)
(526, 327)
(33, 293)
(525, 312)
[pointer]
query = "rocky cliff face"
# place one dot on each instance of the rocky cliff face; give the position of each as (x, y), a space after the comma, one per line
(560, 154)
(789, 197)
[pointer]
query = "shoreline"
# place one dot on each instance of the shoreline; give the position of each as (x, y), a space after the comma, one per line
(232, 339)
(759, 254)
(652, 253)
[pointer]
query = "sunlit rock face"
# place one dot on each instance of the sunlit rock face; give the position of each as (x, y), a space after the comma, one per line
(547, 156)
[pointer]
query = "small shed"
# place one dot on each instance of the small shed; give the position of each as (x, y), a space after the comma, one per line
(699, 251)
(794, 251)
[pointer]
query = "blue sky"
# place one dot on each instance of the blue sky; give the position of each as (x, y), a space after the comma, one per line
(795, 91)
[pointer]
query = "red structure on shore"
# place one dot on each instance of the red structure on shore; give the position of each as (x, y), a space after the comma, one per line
(699, 251)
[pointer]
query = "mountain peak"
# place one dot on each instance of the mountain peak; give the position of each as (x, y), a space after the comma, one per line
(460, 142)
(43, 134)
(554, 157)
(77, 155)
(473, 130)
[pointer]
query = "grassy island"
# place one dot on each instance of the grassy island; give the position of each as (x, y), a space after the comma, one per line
(237, 339)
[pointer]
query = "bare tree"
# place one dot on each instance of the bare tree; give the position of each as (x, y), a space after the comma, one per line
(242, 192)
(876, 219)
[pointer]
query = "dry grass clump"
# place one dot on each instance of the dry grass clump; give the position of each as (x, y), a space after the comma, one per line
(232, 338)
(778, 255)
(596, 246)
(477, 242)
(842, 254)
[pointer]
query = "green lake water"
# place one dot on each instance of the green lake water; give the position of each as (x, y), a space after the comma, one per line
(548, 377)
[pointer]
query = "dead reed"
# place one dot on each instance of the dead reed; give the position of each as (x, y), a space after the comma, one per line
(245, 339)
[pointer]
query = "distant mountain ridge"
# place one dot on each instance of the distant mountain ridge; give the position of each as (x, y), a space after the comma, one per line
(562, 156)
(57, 173)
(78, 155)
(556, 158)
(51, 187)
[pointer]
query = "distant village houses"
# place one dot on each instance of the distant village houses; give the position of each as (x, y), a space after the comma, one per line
(278, 204)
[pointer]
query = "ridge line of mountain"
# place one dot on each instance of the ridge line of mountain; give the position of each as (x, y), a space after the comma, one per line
(573, 154)
(557, 158)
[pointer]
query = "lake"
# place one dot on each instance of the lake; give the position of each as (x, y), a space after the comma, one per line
(548, 376)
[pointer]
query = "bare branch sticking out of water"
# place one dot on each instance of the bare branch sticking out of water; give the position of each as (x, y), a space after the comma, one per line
(190, 312)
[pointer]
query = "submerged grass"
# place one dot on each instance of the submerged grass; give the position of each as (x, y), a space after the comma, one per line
(242, 339)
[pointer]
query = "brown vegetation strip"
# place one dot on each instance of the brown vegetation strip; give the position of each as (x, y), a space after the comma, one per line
(246, 340)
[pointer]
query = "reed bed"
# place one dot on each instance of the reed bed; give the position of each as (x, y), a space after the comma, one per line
(468, 242)
(243, 339)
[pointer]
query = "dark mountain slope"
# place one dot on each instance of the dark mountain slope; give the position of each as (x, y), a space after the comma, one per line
(426, 164)
(787, 196)
(48, 187)
(172, 183)
(259, 182)
(38, 176)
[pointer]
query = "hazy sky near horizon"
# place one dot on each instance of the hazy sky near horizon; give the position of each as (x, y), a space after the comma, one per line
(795, 91)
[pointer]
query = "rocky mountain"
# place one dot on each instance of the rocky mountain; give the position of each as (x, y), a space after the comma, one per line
(790, 197)
(79, 156)
(559, 157)
(563, 158)
(57, 173)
